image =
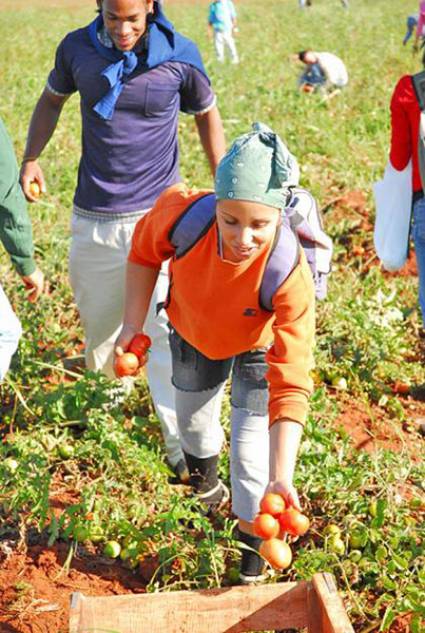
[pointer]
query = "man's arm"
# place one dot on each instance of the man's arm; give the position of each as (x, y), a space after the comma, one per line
(211, 133)
(43, 124)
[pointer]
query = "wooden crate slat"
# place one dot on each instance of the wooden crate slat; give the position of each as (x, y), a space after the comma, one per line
(325, 604)
(232, 610)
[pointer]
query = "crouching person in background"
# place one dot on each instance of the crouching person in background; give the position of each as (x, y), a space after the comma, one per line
(229, 316)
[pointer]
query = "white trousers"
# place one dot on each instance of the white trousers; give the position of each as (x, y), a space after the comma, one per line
(10, 333)
(225, 39)
(97, 265)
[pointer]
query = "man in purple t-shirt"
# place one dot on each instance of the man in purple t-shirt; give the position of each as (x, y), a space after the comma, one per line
(134, 74)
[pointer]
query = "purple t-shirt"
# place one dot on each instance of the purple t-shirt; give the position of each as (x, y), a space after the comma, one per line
(128, 161)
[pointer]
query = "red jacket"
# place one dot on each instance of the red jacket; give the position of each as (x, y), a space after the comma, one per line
(405, 115)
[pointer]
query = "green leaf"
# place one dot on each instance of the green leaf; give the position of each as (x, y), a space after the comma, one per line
(388, 619)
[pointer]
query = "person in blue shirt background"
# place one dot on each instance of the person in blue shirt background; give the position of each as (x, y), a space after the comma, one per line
(222, 23)
(411, 24)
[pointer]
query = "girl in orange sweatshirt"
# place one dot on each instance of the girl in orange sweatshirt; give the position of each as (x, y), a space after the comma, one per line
(222, 324)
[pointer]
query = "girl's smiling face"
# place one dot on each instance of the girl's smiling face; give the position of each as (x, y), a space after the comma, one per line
(245, 227)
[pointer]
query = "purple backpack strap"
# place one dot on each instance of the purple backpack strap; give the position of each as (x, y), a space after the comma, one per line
(284, 257)
(193, 224)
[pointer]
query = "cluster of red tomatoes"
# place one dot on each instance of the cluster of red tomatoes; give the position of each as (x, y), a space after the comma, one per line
(136, 356)
(272, 523)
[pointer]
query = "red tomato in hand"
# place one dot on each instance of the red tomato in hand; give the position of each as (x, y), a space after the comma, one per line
(126, 365)
(139, 345)
(265, 526)
(276, 552)
(294, 522)
(272, 504)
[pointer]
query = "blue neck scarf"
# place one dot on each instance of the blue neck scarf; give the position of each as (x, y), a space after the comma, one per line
(165, 45)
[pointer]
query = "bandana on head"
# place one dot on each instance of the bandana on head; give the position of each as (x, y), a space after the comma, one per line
(258, 168)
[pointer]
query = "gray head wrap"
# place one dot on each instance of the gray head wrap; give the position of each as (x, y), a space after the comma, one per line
(258, 167)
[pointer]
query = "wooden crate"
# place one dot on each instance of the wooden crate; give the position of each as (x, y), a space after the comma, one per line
(313, 605)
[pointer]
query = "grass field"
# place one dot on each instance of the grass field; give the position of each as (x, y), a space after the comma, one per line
(79, 470)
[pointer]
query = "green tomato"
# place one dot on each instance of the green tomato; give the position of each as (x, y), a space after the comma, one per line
(355, 555)
(96, 534)
(381, 553)
(65, 451)
(358, 539)
(125, 554)
(373, 508)
(80, 533)
(11, 464)
(112, 549)
(337, 545)
(332, 530)
(339, 382)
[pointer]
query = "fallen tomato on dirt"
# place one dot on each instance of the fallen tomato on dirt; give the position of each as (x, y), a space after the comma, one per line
(400, 387)
(112, 549)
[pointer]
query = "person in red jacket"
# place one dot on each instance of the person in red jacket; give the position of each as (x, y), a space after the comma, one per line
(405, 116)
(219, 326)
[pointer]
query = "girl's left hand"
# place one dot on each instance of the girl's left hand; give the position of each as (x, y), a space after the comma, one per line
(288, 492)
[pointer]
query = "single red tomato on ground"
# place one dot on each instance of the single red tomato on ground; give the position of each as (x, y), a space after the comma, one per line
(272, 503)
(139, 345)
(276, 552)
(294, 522)
(266, 526)
(126, 365)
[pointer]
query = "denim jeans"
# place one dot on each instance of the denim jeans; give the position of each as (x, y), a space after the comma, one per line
(313, 75)
(418, 233)
(199, 383)
(10, 333)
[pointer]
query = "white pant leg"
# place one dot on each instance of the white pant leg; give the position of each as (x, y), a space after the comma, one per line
(219, 45)
(249, 464)
(97, 265)
(231, 45)
(159, 370)
(198, 417)
(10, 333)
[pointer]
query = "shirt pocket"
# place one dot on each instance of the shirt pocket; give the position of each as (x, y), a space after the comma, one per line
(159, 100)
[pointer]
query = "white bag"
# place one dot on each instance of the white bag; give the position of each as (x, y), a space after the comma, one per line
(393, 200)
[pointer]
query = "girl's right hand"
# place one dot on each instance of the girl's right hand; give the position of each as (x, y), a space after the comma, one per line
(124, 339)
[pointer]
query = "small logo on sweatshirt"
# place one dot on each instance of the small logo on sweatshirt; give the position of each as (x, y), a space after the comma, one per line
(250, 312)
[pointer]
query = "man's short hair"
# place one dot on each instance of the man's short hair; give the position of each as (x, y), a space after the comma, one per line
(301, 55)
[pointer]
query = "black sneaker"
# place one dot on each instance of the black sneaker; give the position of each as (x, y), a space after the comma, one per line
(181, 474)
(214, 500)
(253, 568)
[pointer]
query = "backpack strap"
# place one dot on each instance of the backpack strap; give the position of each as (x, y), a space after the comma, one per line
(283, 258)
(419, 87)
(193, 224)
(418, 81)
